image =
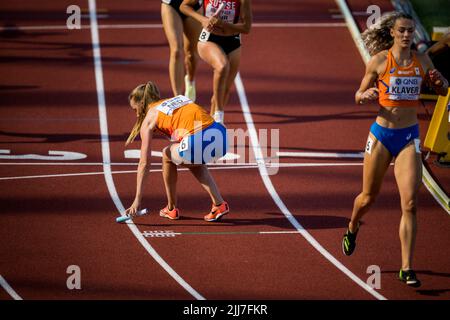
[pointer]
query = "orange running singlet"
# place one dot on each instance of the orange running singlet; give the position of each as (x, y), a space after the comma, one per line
(179, 116)
(400, 86)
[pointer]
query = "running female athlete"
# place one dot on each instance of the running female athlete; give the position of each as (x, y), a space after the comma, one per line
(182, 33)
(220, 43)
(394, 76)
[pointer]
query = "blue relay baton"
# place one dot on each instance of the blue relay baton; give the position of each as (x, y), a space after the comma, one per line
(126, 217)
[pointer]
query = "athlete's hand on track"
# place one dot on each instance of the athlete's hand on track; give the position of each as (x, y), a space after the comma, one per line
(131, 211)
(370, 94)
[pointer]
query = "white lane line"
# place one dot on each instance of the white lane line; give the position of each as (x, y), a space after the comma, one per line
(70, 164)
(237, 164)
(299, 25)
(356, 155)
(9, 289)
(427, 179)
(159, 26)
(354, 30)
(277, 199)
(171, 233)
(54, 155)
(435, 190)
(106, 154)
(222, 167)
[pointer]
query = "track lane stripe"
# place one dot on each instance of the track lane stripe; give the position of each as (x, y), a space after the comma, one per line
(234, 167)
(5, 285)
(277, 199)
(106, 155)
(160, 26)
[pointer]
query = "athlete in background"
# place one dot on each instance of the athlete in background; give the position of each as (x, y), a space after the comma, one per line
(182, 33)
(220, 43)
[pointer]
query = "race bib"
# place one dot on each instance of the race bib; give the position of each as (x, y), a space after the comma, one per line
(168, 106)
(184, 144)
(369, 145)
(404, 88)
(204, 36)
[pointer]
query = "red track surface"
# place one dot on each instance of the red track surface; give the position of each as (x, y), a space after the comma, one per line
(299, 80)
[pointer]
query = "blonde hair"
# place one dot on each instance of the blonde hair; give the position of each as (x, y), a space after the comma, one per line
(143, 94)
(378, 37)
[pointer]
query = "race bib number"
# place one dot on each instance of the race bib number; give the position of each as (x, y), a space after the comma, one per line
(404, 88)
(184, 144)
(204, 36)
(169, 106)
(369, 145)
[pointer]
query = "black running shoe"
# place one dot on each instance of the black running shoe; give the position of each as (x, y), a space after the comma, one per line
(349, 242)
(409, 277)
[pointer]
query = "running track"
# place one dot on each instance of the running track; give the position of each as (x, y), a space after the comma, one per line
(299, 79)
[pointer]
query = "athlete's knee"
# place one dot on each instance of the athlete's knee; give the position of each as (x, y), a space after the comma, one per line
(367, 199)
(222, 67)
(409, 206)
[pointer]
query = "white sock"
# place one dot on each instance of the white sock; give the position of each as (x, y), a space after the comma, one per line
(189, 90)
(219, 116)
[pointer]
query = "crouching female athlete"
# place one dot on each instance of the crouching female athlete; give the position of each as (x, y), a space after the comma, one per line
(394, 76)
(196, 139)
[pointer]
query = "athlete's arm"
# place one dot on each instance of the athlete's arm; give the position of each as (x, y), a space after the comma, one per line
(367, 92)
(187, 7)
(244, 24)
(433, 76)
(146, 133)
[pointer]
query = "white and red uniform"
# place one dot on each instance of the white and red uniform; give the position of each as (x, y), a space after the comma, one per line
(230, 12)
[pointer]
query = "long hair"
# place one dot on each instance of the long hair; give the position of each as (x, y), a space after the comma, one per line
(143, 94)
(378, 37)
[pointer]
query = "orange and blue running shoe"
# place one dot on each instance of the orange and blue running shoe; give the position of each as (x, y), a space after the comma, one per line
(217, 212)
(173, 214)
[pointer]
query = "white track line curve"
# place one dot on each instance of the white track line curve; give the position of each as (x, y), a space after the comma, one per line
(250, 166)
(160, 26)
(5, 285)
(277, 199)
(106, 154)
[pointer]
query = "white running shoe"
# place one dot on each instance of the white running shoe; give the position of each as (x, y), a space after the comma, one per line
(189, 88)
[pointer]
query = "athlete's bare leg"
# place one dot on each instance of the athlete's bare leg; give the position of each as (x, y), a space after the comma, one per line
(212, 54)
(173, 28)
(408, 174)
(375, 166)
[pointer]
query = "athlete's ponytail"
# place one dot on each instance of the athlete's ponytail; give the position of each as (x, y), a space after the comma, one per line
(143, 94)
(378, 36)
